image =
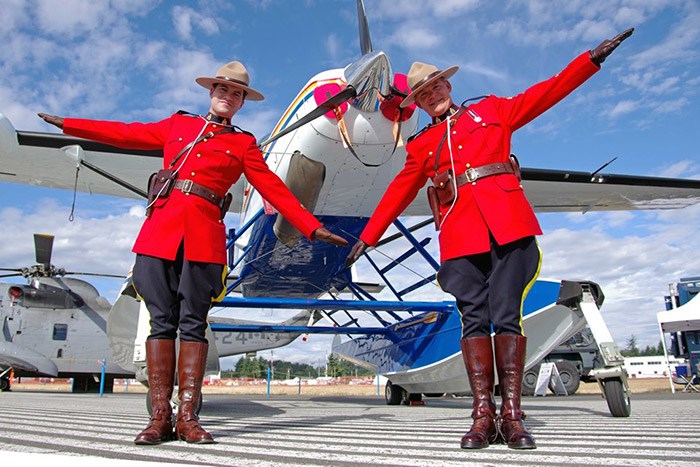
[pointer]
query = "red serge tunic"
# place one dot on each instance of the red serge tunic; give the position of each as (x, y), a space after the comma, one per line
(480, 135)
(215, 163)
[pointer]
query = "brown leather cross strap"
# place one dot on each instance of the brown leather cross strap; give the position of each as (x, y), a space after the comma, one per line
(188, 186)
(472, 174)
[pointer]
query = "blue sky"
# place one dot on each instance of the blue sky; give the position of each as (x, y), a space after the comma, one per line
(136, 60)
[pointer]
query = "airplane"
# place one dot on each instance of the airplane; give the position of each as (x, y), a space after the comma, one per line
(337, 146)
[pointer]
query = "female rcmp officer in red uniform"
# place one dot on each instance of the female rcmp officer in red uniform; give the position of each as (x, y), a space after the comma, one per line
(181, 248)
(489, 255)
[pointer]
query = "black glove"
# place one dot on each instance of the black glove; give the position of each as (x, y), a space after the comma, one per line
(600, 53)
(325, 235)
(52, 119)
(357, 250)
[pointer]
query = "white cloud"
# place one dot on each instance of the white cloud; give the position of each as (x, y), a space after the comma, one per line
(622, 108)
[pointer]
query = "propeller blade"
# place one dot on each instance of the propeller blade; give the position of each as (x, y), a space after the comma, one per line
(10, 275)
(365, 40)
(43, 244)
(94, 274)
(11, 269)
(330, 104)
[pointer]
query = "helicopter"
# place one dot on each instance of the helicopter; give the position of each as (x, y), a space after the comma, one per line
(55, 326)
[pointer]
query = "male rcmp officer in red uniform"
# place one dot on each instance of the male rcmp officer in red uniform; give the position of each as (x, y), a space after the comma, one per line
(489, 255)
(181, 257)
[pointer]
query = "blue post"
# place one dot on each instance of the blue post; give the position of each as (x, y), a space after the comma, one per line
(102, 377)
(127, 386)
(379, 392)
(268, 381)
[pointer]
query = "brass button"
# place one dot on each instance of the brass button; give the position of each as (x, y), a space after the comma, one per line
(430, 153)
(199, 155)
(459, 147)
(468, 165)
(192, 174)
(483, 124)
(473, 183)
(228, 152)
(454, 132)
(214, 125)
(205, 140)
(179, 139)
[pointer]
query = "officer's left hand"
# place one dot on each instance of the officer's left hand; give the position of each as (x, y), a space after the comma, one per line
(600, 53)
(325, 235)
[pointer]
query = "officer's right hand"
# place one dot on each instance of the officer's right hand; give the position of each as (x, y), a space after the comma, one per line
(600, 53)
(52, 119)
(357, 250)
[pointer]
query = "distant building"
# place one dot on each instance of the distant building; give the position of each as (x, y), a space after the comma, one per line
(650, 367)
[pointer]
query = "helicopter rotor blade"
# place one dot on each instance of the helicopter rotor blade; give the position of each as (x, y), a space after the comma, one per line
(43, 244)
(94, 274)
(11, 275)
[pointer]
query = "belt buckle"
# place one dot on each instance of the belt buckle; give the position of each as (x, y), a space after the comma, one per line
(471, 174)
(186, 186)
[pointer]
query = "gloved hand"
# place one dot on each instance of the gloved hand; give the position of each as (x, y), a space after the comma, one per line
(357, 250)
(52, 119)
(600, 53)
(325, 235)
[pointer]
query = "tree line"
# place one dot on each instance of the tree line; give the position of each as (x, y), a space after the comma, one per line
(632, 349)
(280, 369)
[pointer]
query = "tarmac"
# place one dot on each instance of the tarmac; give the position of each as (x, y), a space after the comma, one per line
(89, 430)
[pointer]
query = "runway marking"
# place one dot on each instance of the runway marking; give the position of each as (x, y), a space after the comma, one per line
(290, 431)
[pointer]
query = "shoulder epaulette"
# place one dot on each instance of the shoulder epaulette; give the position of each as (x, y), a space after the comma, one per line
(472, 99)
(184, 112)
(416, 134)
(241, 130)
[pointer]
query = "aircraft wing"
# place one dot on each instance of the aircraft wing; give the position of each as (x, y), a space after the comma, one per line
(34, 158)
(16, 356)
(566, 191)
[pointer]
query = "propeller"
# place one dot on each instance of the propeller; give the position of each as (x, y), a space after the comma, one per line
(330, 104)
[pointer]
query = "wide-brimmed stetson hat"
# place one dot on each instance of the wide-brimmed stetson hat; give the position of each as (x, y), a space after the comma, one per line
(233, 74)
(421, 75)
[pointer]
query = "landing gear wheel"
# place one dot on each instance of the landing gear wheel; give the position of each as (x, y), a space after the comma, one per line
(174, 403)
(393, 394)
(569, 376)
(4, 384)
(618, 397)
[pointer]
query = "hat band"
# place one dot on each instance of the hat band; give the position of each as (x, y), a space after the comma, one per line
(426, 79)
(226, 78)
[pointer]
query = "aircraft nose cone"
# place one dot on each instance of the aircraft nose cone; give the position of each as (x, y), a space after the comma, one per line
(370, 76)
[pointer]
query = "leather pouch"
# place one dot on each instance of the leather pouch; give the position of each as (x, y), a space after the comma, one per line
(444, 187)
(434, 206)
(160, 185)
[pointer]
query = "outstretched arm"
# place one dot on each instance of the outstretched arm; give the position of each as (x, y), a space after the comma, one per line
(52, 119)
(600, 53)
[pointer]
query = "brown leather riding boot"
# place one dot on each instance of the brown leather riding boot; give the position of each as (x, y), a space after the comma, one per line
(478, 358)
(160, 365)
(191, 365)
(510, 362)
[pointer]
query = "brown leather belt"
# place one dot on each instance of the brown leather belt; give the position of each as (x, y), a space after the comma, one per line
(474, 173)
(188, 186)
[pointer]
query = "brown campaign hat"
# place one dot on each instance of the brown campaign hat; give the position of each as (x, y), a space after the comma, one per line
(421, 75)
(233, 74)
